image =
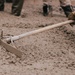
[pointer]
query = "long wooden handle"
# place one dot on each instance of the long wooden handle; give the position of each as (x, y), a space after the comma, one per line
(38, 30)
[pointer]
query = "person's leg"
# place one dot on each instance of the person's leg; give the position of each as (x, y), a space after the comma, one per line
(17, 7)
(14, 6)
(1, 5)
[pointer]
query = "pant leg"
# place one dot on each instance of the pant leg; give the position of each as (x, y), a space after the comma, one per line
(17, 7)
(1, 5)
(14, 6)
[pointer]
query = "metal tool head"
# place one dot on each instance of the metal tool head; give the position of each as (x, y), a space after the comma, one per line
(8, 47)
(11, 49)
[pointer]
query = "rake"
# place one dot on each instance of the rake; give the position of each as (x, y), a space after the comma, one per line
(6, 42)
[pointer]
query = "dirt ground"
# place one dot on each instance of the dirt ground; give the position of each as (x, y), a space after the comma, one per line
(48, 53)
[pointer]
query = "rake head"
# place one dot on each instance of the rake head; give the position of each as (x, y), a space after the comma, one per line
(8, 47)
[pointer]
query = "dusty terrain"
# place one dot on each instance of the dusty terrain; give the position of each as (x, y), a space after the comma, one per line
(48, 53)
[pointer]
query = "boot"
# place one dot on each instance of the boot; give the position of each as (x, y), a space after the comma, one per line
(45, 10)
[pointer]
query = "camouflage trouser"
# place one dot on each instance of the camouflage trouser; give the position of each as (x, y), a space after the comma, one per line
(17, 7)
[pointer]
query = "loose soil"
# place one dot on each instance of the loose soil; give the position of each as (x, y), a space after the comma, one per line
(48, 53)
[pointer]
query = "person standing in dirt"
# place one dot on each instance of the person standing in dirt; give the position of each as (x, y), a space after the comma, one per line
(66, 6)
(16, 6)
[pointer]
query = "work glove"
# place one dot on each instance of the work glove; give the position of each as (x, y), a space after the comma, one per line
(72, 17)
